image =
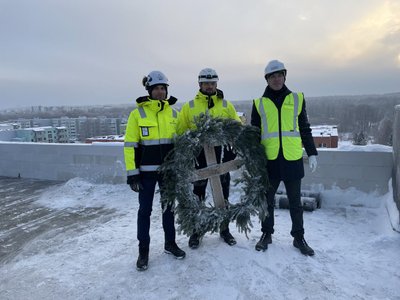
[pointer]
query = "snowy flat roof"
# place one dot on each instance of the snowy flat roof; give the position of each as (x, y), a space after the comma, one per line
(324, 130)
(107, 137)
(37, 129)
(82, 244)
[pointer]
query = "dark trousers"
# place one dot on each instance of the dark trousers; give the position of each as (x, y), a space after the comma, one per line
(293, 191)
(199, 189)
(146, 196)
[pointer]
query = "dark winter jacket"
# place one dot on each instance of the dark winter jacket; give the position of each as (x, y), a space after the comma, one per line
(280, 168)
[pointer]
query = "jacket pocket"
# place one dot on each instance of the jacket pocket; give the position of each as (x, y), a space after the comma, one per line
(148, 128)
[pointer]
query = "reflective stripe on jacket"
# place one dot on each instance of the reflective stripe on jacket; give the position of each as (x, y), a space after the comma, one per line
(284, 128)
(215, 105)
(149, 133)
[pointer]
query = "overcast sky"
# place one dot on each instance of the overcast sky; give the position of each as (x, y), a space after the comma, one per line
(78, 52)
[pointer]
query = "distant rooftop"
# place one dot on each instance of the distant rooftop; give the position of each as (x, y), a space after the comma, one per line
(324, 130)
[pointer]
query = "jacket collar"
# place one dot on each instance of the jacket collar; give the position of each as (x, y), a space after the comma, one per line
(146, 100)
(272, 94)
(218, 96)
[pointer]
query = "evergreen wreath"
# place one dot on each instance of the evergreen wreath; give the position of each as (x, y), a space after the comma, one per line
(194, 215)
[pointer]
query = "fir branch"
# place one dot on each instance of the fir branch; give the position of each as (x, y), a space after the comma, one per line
(194, 215)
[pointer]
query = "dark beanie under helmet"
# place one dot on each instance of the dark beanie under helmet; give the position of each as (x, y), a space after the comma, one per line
(151, 87)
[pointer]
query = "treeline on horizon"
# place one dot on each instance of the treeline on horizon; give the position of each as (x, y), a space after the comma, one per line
(370, 115)
(366, 117)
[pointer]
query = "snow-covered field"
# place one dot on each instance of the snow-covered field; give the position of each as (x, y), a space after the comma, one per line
(357, 254)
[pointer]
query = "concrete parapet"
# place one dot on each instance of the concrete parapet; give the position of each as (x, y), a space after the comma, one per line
(104, 163)
(368, 171)
(95, 162)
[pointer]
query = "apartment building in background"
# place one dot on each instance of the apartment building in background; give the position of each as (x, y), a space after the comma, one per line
(64, 129)
(325, 136)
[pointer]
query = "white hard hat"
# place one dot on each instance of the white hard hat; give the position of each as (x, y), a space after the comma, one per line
(208, 75)
(154, 78)
(274, 66)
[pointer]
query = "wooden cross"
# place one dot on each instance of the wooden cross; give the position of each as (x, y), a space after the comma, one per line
(213, 171)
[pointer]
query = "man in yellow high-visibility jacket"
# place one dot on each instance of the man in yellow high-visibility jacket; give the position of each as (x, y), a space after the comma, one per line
(148, 139)
(281, 115)
(210, 100)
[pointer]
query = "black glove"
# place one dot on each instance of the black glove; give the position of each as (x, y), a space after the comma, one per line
(229, 154)
(134, 183)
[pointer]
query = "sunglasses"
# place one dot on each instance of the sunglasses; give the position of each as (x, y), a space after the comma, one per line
(208, 76)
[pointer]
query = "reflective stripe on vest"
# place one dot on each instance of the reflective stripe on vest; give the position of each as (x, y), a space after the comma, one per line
(264, 124)
(132, 172)
(142, 112)
(291, 140)
(149, 168)
(224, 103)
(131, 144)
(155, 142)
(296, 112)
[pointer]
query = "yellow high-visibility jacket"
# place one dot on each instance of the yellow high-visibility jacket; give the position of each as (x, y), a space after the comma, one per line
(215, 105)
(288, 127)
(149, 132)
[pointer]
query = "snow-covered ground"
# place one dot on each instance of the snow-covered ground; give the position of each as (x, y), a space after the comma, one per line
(357, 254)
(348, 146)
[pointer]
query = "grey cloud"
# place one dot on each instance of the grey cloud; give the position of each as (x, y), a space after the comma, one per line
(96, 51)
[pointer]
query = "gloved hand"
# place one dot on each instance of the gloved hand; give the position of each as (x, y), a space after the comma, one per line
(136, 187)
(312, 162)
(134, 183)
(229, 154)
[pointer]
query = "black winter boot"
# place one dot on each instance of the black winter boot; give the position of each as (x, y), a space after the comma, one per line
(143, 259)
(262, 244)
(194, 241)
(172, 248)
(301, 244)
(228, 237)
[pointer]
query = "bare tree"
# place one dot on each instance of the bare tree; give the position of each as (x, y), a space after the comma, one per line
(384, 133)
